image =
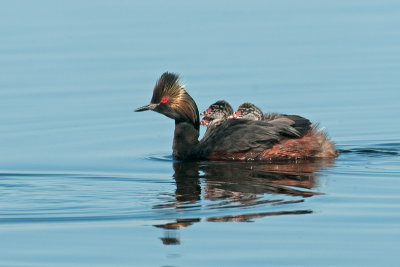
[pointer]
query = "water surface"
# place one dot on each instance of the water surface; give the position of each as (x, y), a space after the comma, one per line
(84, 181)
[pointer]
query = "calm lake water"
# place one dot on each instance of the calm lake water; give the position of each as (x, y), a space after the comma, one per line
(85, 181)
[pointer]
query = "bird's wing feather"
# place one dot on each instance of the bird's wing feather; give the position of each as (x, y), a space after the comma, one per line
(236, 136)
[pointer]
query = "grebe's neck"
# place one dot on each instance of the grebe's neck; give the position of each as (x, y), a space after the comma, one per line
(186, 137)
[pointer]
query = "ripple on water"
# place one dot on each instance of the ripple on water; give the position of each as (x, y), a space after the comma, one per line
(160, 157)
(193, 191)
(216, 191)
(65, 197)
(375, 150)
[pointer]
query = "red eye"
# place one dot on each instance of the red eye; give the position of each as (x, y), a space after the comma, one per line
(164, 100)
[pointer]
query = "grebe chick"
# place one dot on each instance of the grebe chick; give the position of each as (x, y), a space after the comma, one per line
(216, 113)
(250, 111)
(233, 139)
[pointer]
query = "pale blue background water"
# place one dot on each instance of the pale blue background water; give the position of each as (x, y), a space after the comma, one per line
(84, 180)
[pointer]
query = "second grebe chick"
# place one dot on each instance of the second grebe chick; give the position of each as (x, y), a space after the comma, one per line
(248, 111)
(220, 111)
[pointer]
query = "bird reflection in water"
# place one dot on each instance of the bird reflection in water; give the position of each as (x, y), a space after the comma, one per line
(230, 187)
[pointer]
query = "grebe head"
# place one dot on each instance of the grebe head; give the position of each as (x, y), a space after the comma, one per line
(171, 99)
(248, 111)
(216, 113)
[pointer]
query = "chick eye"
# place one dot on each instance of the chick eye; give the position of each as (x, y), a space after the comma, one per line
(164, 100)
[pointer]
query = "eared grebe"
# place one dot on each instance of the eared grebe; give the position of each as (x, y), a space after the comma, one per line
(233, 139)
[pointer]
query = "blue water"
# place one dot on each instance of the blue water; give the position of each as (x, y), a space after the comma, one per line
(85, 181)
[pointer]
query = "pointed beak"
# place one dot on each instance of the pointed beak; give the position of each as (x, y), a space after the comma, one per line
(147, 107)
(205, 121)
(236, 114)
(205, 112)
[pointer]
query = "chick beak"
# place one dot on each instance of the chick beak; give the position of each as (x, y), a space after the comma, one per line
(237, 114)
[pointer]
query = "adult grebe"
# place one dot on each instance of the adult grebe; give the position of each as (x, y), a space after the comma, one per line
(233, 139)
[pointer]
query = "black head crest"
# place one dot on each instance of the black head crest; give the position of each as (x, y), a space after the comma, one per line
(167, 86)
(169, 91)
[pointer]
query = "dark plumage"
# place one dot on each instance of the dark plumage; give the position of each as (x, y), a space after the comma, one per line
(249, 111)
(233, 139)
